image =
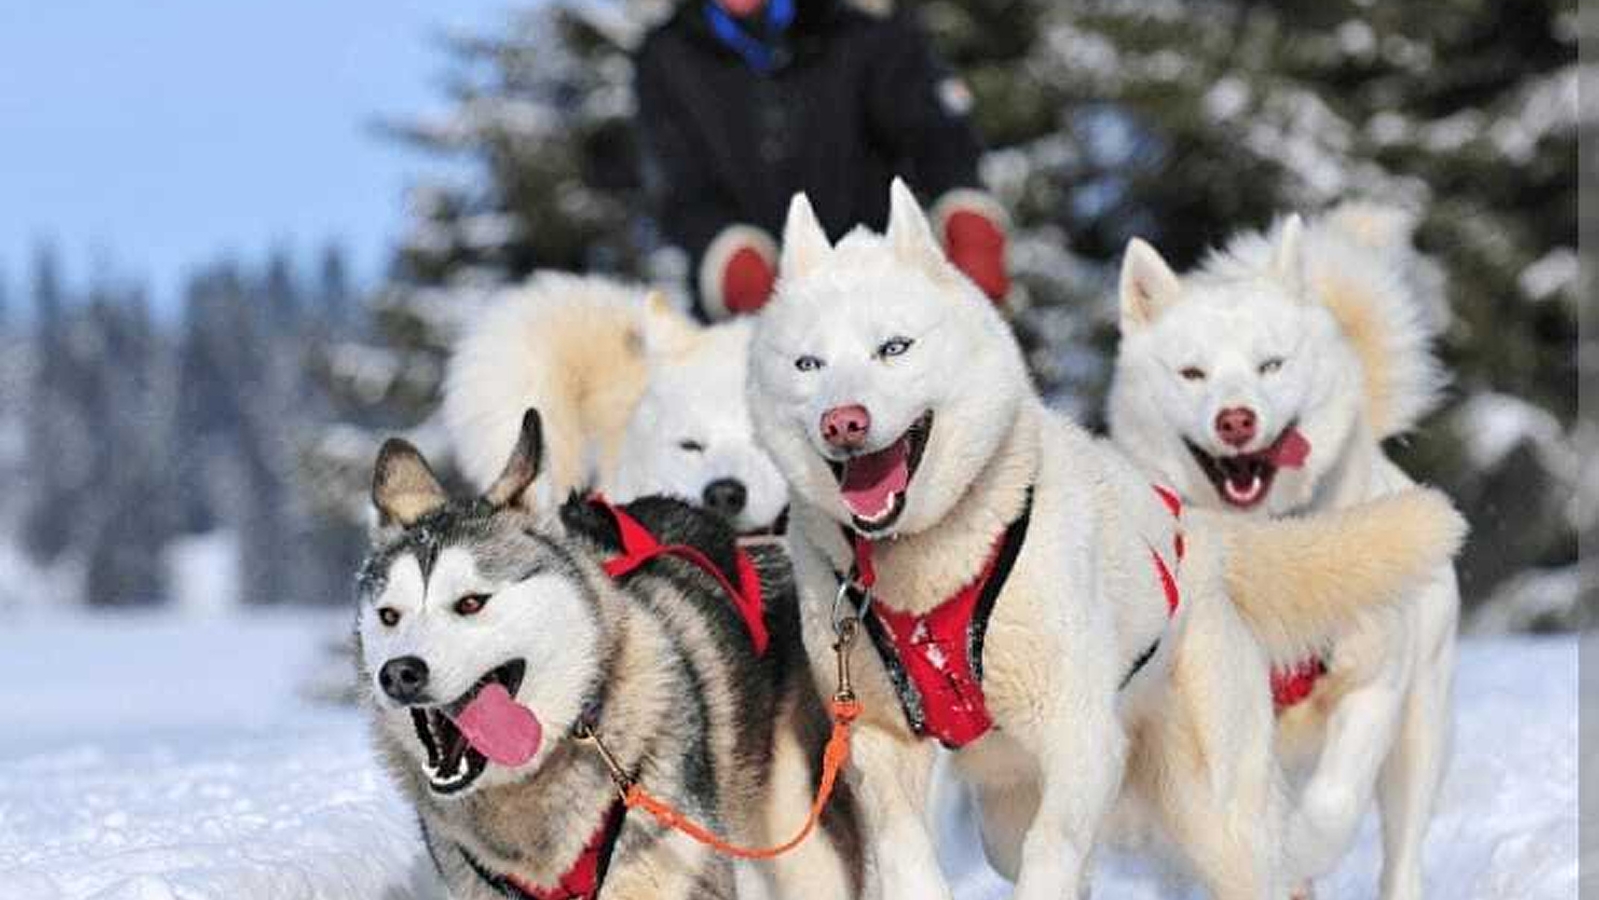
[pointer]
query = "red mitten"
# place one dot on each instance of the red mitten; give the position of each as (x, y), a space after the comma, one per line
(746, 281)
(737, 272)
(971, 226)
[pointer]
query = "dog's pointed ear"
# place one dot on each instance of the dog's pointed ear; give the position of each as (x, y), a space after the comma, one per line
(1148, 286)
(908, 232)
(404, 489)
(522, 468)
(804, 242)
(1288, 259)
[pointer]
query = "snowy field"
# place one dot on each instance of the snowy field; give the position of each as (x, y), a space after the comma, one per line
(171, 759)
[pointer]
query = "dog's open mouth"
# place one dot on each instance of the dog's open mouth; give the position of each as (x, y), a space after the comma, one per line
(460, 737)
(873, 485)
(1245, 479)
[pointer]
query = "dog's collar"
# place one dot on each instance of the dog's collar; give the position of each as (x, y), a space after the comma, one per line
(935, 659)
(581, 881)
(640, 546)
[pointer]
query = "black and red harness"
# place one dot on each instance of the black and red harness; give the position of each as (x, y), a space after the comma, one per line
(583, 879)
(935, 659)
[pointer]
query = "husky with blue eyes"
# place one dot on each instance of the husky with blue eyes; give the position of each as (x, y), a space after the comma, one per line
(493, 641)
(1264, 384)
(1034, 602)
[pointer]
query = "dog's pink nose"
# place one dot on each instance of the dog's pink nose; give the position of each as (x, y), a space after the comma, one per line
(1236, 426)
(845, 427)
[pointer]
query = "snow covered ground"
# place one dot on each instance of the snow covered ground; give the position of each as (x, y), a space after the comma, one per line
(171, 759)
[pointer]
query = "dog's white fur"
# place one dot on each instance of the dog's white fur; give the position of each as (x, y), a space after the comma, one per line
(1336, 301)
(1190, 738)
(638, 400)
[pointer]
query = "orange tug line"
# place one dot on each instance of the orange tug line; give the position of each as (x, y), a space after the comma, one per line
(639, 547)
(845, 711)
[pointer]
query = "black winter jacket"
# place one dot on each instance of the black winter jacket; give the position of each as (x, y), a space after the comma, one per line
(853, 101)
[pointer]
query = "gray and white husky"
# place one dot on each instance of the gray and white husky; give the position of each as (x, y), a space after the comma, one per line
(1113, 645)
(491, 639)
(1264, 383)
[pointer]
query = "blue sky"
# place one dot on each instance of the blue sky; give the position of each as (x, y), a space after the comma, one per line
(157, 133)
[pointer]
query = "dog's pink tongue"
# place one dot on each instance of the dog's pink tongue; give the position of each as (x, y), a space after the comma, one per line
(1291, 451)
(871, 481)
(500, 728)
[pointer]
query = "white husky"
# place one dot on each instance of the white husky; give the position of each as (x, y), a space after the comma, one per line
(638, 400)
(1266, 382)
(1030, 598)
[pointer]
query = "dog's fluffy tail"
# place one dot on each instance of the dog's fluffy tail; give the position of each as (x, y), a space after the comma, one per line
(1300, 581)
(569, 346)
(1389, 301)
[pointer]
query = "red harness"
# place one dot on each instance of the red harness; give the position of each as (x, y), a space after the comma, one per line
(582, 881)
(935, 659)
(1292, 686)
(639, 546)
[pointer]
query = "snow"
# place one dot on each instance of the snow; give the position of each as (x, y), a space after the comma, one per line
(170, 758)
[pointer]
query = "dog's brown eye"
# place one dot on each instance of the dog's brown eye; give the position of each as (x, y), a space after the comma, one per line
(1271, 365)
(691, 446)
(471, 604)
(389, 616)
(1192, 373)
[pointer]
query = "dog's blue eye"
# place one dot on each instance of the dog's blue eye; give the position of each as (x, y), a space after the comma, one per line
(691, 446)
(1271, 365)
(471, 604)
(807, 363)
(894, 347)
(389, 616)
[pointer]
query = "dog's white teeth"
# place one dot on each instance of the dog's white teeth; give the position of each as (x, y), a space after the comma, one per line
(1248, 494)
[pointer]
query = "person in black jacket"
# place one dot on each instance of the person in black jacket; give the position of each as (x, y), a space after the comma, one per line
(742, 103)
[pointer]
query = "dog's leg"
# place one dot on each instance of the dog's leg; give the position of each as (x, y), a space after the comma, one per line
(890, 775)
(1360, 733)
(1005, 811)
(1206, 759)
(1412, 773)
(1081, 757)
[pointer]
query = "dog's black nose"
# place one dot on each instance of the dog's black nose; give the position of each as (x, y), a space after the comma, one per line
(726, 496)
(404, 678)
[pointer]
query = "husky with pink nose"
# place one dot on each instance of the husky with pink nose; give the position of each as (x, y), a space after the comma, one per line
(495, 639)
(1264, 384)
(1031, 601)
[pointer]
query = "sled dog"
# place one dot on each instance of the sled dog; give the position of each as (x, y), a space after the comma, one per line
(492, 639)
(638, 400)
(1264, 383)
(1030, 598)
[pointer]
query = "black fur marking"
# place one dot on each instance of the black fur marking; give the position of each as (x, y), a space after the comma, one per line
(1139, 663)
(427, 842)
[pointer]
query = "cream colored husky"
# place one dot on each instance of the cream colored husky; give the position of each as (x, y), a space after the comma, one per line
(1033, 600)
(638, 399)
(1264, 383)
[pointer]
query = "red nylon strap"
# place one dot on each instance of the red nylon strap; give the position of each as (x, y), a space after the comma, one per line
(865, 573)
(934, 658)
(1168, 582)
(1291, 686)
(582, 881)
(933, 648)
(639, 546)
